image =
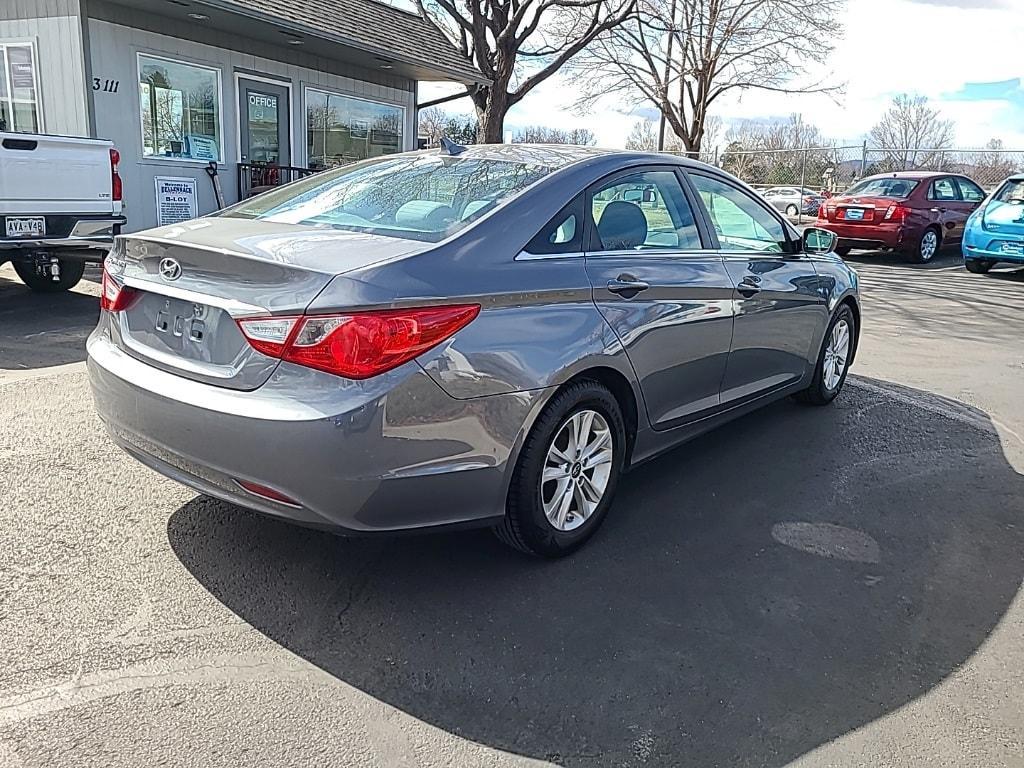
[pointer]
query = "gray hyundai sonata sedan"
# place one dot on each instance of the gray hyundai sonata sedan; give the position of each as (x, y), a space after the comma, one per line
(473, 336)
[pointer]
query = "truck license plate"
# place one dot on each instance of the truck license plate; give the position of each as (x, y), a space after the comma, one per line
(33, 227)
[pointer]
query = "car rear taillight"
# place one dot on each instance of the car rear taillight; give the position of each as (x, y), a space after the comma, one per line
(896, 213)
(116, 190)
(356, 345)
(115, 297)
(822, 212)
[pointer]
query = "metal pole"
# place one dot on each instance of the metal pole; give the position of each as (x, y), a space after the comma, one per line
(864, 159)
(803, 178)
(668, 74)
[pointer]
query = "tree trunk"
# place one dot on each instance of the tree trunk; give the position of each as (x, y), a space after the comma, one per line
(491, 107)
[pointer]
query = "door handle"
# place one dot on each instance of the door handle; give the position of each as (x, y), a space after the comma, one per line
(627, 286)
(938, 210)
(749, 285)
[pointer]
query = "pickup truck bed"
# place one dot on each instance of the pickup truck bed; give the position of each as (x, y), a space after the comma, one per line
(60, 206)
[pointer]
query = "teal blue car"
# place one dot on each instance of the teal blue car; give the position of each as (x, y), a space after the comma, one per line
(995, 232)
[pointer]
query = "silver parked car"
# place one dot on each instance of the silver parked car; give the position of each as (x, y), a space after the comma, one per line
(794, 200)
(483, 336)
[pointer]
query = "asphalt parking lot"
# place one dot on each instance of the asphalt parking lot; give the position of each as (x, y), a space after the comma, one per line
(822, 587)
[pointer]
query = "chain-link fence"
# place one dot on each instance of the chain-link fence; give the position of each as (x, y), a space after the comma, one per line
(835, 169)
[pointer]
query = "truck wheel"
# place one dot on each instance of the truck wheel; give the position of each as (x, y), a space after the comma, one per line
(36, 275)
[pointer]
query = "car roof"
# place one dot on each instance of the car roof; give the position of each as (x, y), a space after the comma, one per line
(557, 155)
(918, 175)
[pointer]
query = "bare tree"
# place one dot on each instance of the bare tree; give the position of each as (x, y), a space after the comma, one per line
(911, 134)
(683, 55)
(642, 137)
(540, 134)
(992, 164)
(431, 124)
(518, 44)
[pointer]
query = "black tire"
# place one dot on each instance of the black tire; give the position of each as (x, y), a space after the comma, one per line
(792, 210)
(978, 266)
(818, 393)
(843, 250)
(525, 526)
(71, 271)
(920, 254)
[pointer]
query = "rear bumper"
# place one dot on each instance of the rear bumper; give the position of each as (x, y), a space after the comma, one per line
(868, 236)
(356, 457)
(984, 247)
(77, 234)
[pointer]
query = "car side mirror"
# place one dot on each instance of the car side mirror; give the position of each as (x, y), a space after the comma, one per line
(818, 240)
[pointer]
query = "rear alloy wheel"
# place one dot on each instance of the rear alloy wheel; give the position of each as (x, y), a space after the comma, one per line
(978, 266)
(833, 360)
(566, 474)
(792, 210)
(37, 274)
(927, 246)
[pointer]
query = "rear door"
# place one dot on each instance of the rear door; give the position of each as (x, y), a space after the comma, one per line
(947, 208)
(665, 294)
(780, 311)
(971, 196)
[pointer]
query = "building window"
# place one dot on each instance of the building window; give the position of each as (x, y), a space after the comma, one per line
(341, 129)
(19, 94)
(180, 109)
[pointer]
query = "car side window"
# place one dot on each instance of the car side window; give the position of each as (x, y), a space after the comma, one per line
(970, 191)
(643, 211)
(943, 189)
(741, 222)
(563, 234)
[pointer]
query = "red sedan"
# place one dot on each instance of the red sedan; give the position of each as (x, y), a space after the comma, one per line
(914, 212)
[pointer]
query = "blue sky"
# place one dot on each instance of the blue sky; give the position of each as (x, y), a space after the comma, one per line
(973, 76)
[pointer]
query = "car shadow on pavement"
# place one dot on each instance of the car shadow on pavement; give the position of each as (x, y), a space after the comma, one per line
(948, 256)
(39, 330)
(753, 595)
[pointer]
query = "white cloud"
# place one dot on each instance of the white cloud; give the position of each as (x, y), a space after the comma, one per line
(888, 47)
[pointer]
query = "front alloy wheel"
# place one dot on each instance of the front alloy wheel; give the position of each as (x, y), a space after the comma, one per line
(834, 359)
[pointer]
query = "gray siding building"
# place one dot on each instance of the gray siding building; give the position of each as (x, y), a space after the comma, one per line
(266, 89)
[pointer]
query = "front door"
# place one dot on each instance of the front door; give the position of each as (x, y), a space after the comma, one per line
(264, 122)
(667, 298)
(779, 310)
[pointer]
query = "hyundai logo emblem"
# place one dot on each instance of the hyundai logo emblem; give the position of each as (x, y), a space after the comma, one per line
(170, 269)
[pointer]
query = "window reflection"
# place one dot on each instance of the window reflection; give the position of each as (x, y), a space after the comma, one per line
(342, 129)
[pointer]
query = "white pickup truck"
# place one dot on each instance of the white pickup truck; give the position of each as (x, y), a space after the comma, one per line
(60, 206)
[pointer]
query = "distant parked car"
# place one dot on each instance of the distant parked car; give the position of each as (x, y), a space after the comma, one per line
(913, 212)
(995, 232)
(794, 200)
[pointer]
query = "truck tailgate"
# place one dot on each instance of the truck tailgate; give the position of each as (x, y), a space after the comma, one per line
(54, 174)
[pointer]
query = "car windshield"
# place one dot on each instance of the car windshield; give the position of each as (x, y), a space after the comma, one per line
(884, 187)
(1012, 192)
(417, 197)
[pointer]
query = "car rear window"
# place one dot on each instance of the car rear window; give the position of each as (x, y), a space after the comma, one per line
(418, 197)
(887, 187)
(1011, 192)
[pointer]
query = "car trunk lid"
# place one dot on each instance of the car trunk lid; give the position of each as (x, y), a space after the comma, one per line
(848, 209)
(192, 282)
